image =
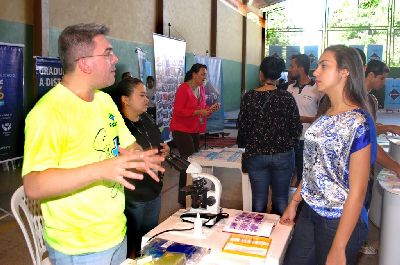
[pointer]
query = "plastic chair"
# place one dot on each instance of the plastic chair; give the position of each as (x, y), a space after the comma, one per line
(33, 214)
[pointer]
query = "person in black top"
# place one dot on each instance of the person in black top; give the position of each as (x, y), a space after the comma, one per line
(269, 125)
(142, 205)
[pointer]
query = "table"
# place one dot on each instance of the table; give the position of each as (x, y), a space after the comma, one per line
(225, 158)
(390, 232)
(375, 209)
(214, 239)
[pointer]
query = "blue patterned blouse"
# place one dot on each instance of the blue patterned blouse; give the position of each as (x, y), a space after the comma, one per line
(329, 142)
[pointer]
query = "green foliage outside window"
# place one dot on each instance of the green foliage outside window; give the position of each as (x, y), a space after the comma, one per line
(349, 22)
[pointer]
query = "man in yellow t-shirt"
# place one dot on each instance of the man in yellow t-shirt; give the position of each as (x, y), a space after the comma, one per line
(78, 154)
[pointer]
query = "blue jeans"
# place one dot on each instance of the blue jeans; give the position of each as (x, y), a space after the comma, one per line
(113, 256)
(313, 236)
(141, 217)
(275, 170)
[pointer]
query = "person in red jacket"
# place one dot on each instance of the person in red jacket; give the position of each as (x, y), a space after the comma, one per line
(189, 115)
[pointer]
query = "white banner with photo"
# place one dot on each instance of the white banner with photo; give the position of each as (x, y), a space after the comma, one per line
(213, 91)
(169, 56)
(141, 63)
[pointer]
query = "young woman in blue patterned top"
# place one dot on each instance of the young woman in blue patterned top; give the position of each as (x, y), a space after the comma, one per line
(339, 149)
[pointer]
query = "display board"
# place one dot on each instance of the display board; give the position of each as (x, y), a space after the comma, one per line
(213, 91)
(169, 57)
(11, 101)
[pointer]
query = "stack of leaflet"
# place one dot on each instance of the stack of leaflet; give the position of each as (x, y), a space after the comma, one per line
(249, 223)
(252, 246)
(157, 247)
(225, 154)
(389, 181)
(251, 234)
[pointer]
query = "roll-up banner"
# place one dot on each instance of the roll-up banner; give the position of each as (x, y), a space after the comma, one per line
(11, 101)
(48, 72)
(213, 91)
(169, 55)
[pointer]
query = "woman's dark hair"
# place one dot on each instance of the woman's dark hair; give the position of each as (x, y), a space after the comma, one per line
(125, 88)
(354, 90)
(194, 69)
(272, 67)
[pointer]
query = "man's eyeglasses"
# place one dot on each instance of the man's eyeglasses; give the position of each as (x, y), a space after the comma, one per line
(108, 54)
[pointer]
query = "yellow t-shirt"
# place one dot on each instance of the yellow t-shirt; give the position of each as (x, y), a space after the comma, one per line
(64, 131)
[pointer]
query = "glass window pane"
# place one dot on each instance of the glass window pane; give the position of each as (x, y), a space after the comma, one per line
(395, 57)
(363, 13)
(359, 37)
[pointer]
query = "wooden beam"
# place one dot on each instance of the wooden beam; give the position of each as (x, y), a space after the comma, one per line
(244, 50)
(263, 39)
(213, 30)
(159, 28)
(40, 28)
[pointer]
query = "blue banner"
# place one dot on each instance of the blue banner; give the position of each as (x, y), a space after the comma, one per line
(290, 51)
(361, 47)
(49, 72)
(213, 91)
(275, 51)
(392, 94)
(11, 101)
(312, 53)
(374, 52)
(141, 64)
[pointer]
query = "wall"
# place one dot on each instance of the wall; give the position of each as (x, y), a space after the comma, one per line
(17, 11)
(129, 20)
(190, 21)
(229, 48)
(253, 54)
(127, 32)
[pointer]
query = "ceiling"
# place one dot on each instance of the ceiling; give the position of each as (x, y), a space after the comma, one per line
(263, 3)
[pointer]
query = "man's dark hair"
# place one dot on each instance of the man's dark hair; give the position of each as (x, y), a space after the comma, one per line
(377, 67)
(150, 77)
(126, 74)
(362, 55)
(272, 67)
(76, 41)
(302, 60)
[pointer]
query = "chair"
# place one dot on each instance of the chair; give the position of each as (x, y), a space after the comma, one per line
(33, 214)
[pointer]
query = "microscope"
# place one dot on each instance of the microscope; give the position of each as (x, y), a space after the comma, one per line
(205, 193)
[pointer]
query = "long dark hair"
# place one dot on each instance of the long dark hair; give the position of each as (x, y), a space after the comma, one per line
(125, 88)
(195, 69)
(354, 90)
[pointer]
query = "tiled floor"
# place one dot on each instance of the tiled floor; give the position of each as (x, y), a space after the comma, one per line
(13, 250)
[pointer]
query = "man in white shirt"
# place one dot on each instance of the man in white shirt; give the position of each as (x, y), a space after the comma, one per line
(307, 97)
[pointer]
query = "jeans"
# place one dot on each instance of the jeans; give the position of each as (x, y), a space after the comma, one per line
(113, 256)
(187, 144)
(313, 236)
(298, 150)
(141, 217)
(275, 170)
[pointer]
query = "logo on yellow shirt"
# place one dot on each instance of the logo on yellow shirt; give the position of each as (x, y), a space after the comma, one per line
(113, 123)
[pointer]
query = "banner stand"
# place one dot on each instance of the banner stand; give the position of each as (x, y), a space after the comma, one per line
(13, 162)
